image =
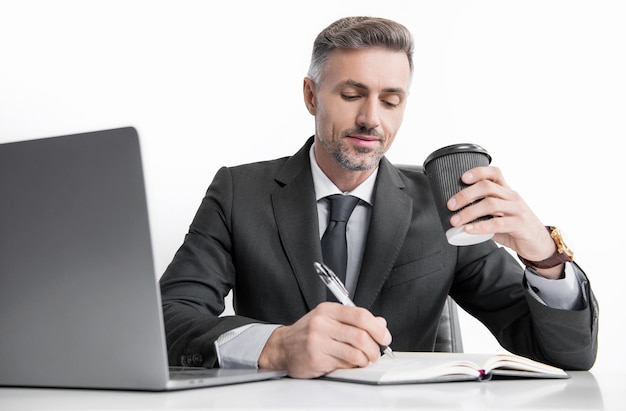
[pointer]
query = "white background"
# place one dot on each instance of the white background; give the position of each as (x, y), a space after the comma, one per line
(540, 84)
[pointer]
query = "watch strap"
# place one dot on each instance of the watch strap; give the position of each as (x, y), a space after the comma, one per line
(562, 255)
(549, 262)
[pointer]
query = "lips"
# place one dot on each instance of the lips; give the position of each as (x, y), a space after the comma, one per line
(365, 141)
(366, 138)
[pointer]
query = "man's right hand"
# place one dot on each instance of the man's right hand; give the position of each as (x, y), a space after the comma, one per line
(329, 337)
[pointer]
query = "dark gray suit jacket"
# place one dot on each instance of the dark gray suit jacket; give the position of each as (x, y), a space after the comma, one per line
(256, 232)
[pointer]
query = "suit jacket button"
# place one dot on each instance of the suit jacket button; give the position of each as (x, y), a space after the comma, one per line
(197, 360)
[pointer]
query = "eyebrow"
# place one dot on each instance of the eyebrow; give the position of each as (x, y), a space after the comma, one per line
(360, 85)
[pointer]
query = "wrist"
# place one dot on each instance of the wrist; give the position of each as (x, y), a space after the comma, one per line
(562, 254)
(271, 355)
(553, 273)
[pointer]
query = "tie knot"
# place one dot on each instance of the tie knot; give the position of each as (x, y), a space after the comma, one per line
(341, 206)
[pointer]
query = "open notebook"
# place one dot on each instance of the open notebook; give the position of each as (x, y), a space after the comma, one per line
(430, 367)
(79, 296)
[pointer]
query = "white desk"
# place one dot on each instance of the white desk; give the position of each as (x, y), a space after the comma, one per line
(582, 392)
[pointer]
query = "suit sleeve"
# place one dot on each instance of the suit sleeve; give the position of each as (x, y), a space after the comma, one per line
(197, 281)
(493, 290)
(568, 337)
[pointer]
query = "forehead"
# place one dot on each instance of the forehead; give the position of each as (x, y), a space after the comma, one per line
(376, 68)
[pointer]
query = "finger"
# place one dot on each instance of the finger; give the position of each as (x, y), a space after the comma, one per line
(490, 173)
(489, 226)
(362, 319)
(481, 182)
(335, 344)
(476, 192)
(347, 355)
(488, 206)
(363, 342)
(361, 330)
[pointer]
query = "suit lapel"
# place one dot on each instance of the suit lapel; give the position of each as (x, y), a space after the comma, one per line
(391, 217)
(295, 211)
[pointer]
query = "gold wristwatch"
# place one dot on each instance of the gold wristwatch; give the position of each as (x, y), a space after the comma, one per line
(563, 252)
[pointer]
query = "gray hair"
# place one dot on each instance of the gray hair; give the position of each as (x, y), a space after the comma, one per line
(357, 33)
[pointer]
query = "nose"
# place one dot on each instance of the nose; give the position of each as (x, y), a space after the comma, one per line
(368, 116)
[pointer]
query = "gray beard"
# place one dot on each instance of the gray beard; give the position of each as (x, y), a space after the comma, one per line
(341, 156)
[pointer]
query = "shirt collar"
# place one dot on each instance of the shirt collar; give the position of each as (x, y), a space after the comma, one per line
(325, 187)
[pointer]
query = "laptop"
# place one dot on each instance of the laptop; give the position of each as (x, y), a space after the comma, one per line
(79, 297)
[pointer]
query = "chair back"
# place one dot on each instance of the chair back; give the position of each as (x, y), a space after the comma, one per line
(449, 332)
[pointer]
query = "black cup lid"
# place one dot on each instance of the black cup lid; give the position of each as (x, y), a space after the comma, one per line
(457, 148)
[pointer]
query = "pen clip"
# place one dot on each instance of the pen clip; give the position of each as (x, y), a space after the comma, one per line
(328, 276)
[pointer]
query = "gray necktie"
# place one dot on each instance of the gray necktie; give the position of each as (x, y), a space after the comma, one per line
(334, 244)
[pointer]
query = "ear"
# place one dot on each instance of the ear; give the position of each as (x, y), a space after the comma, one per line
(308, 90)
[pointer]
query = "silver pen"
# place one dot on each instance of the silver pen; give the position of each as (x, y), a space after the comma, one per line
(335, 285)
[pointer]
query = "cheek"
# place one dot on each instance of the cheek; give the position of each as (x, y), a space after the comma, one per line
(336, 118)
(391, 127)
(388, 141)
(321, 120)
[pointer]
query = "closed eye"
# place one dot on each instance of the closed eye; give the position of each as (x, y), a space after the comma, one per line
(349, 97)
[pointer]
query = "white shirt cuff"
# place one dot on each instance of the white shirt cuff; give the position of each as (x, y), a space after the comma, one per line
(564, 293)
(241, 347)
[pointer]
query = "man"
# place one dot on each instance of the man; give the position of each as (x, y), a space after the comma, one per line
(259, 226)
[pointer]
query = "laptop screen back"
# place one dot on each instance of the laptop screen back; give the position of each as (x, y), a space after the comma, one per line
(78, 294)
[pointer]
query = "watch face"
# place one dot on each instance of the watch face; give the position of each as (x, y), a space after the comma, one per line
(561, 242)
